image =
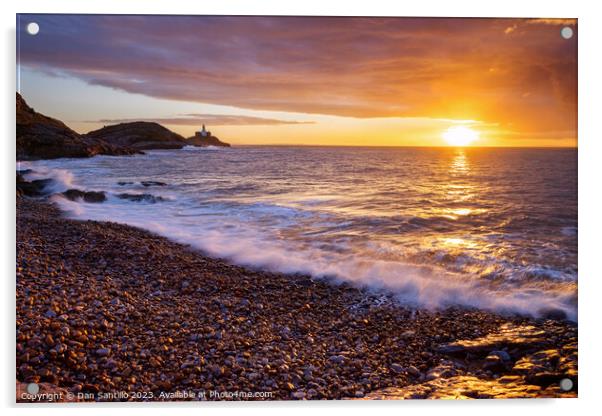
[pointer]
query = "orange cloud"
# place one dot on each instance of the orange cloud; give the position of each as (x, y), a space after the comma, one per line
(357, 67)
(209, 119)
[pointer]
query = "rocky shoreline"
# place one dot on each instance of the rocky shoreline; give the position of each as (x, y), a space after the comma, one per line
(104, 308)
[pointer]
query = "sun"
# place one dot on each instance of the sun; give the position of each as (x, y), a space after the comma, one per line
(460, 136)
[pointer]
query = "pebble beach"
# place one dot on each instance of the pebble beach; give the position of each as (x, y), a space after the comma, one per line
(109, 312)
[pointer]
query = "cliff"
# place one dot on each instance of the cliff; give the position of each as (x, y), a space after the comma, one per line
(42, 137)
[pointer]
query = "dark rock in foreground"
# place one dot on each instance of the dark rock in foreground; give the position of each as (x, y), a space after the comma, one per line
(153, 183)
(143, 183)
(508, 336)
(141, 198)
(42, 137)
(139, 135)
(33, 188)
(87, 196)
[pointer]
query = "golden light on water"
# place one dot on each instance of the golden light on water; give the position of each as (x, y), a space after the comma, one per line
(460, 136)
(461, 211)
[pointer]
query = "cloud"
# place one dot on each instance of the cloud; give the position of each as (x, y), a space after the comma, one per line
(208, 119)
(357, 67)
(553, 22)
(510, 29)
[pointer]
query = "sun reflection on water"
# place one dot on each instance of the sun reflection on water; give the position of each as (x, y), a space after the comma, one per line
(460, 163)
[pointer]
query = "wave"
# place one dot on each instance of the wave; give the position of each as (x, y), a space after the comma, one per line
(233, 232)
(190, 148)
(61, 179)
(427, 286)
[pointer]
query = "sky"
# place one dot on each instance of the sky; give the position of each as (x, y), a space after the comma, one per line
(307, 80)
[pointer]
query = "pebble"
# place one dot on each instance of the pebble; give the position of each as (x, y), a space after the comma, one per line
(298, 395)
(337, 359)
(87, 319)
(413, 371)
(396, 368)
(103, 352)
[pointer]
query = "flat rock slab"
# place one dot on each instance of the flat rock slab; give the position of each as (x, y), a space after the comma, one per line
(508, 336)
(469, 387)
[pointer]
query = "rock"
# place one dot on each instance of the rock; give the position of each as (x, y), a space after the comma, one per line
(396, 368)
(412, 370)
(200, 141)
(253, 376)
(552, 313)
(87, 196)
(139, 135)
(461, 387)
(308, 374)
(298, 395)
(493, 363)
(504, 356)
(216, 370)
(186, 364)
(544, 378)
(34, 188)
(141, 198)
(545, 367)
(337, 359)
(152, 183)
(103, 352)
(49, 340)
(445, 369)
(508, 336)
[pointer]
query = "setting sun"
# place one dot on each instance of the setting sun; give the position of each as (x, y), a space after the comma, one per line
(460, 136)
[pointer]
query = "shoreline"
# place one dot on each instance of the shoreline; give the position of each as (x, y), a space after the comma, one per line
(105, 307)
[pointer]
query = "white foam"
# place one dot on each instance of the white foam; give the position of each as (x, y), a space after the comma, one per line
(62, 179)
(189, 148)
(233, 232)
(417, 285)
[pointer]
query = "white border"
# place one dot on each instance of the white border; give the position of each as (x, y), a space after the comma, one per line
(590, 166)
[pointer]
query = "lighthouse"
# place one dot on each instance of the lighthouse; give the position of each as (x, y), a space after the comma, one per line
(203, 132)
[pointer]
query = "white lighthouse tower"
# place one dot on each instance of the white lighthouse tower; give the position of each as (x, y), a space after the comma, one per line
(204, 132)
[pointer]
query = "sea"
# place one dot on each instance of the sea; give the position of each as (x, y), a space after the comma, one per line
(487, 228)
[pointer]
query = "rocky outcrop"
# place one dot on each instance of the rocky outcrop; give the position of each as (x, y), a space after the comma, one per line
(87, 196)
(31, 188)
(139, 135)
(206, 141)
(141, 198)
(515, 361)
(42, 137)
